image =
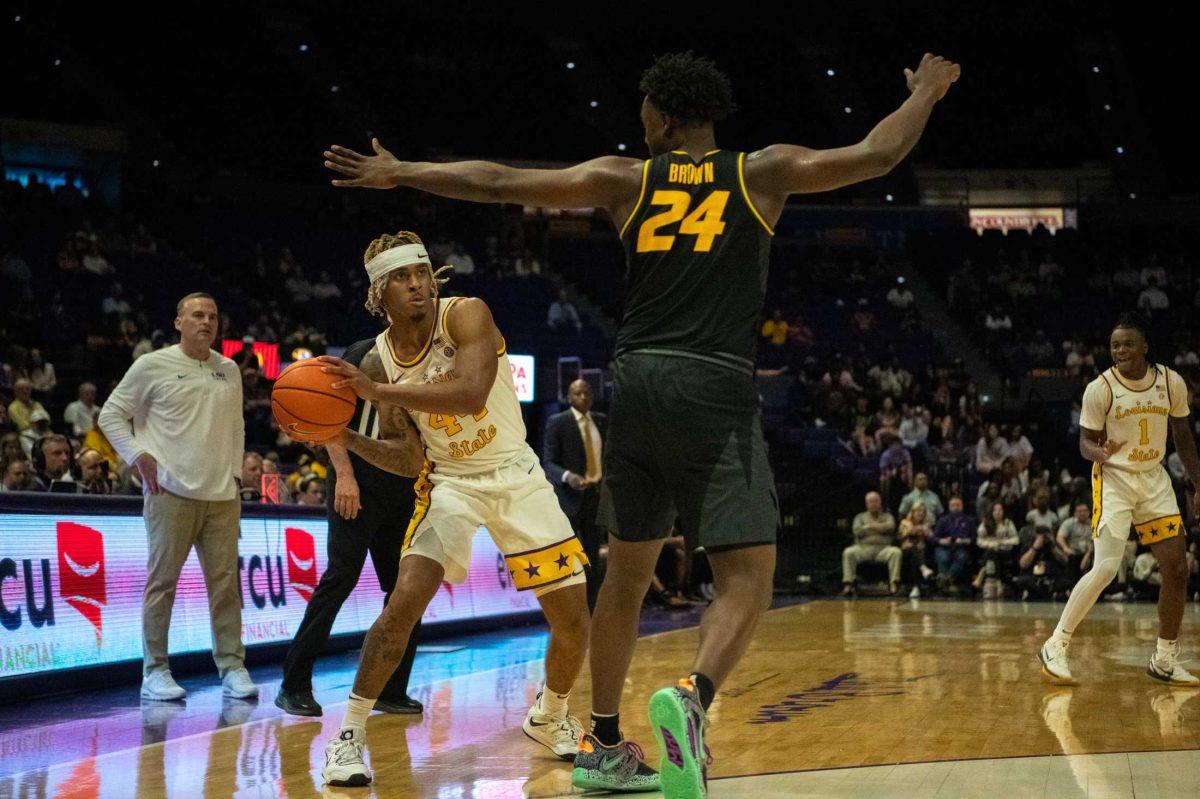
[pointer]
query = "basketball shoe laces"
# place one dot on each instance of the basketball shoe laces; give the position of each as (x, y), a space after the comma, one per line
(347, 752)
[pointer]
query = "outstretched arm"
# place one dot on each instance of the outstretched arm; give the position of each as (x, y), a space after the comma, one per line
(610, 182)
(782, 169)
(470, 324)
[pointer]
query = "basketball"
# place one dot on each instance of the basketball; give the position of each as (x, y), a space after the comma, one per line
(306, 405)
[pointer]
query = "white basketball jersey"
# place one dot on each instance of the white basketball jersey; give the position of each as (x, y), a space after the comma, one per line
(1136, 413)
(468, 444)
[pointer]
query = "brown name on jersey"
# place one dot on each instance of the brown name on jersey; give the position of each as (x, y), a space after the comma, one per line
(691, 174)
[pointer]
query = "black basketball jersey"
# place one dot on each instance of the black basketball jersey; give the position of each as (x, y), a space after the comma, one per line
(365, 422)
(697, 252)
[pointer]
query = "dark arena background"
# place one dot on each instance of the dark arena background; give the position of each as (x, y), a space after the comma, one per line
(926, 340)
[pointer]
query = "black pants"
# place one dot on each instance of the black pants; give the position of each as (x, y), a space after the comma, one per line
(591, 536)
(378, 529)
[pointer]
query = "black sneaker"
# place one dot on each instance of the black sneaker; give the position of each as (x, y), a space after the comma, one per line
(404, 707)
(297, 703)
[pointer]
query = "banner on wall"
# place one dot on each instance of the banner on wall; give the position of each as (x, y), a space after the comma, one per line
(71, 589)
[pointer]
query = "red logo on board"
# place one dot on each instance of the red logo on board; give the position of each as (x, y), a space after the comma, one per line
(81, 575)
(302, 562)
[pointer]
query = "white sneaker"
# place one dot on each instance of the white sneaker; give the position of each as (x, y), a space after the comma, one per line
(237, 685)
(344, 766)
(559, 734)
(160, 686)
(1168, 670)
(1053, 655)
(915, 593)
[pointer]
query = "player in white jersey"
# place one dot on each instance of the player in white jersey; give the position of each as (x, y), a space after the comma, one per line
(441, 364)
(1127, 412)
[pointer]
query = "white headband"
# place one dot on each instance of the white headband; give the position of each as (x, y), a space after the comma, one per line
(396, 257)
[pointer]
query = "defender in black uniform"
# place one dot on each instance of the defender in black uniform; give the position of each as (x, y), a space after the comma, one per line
(684, 434)
(375, 523)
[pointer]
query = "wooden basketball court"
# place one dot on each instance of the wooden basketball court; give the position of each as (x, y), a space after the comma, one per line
(859, 698)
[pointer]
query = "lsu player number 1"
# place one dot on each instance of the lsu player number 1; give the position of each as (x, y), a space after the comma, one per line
(705, 222)
(448, 423)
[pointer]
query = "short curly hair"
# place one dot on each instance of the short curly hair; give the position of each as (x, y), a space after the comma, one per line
(689, 87)
(374, 303)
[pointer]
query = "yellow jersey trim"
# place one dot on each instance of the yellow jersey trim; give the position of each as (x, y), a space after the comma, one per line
(444, 318)
(641, 196)
(1117, 376)
(741, 170)
(424, 350)
(503, 348)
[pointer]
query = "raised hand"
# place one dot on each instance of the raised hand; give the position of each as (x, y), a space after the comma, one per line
(933, 73)
(365, 171)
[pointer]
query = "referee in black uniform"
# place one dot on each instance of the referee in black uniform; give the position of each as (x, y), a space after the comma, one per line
(371, 517)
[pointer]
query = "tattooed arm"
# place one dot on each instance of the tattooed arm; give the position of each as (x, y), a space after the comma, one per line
(398, 449)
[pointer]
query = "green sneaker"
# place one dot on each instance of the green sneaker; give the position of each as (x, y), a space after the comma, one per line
(679, 723)
(612, 768)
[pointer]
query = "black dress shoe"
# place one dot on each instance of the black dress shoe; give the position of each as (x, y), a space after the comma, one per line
(406, 706)
(297, 703)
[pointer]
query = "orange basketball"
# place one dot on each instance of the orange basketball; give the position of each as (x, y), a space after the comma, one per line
(306, 405)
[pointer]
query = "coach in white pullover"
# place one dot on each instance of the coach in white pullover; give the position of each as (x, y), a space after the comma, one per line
(186, 441)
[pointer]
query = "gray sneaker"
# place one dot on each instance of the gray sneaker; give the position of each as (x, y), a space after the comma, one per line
(612, 768)
(160, 686)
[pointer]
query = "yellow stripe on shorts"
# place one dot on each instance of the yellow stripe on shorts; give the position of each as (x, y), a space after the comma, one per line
(421, 507)
(1159, 529)
(541, 567)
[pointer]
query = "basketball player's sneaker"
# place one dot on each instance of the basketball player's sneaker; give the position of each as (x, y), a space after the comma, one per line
(678, 721)
(612, 768)
(344, 765)
(1167, 669)
(559, 734)
(1053, 655)
(160, 686)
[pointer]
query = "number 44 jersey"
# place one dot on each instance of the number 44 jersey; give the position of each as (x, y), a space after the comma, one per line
(697, 251)
(460, 445)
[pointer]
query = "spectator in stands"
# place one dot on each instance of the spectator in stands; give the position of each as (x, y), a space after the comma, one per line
(1019, 448)
(874, 541)
(991, 451)
(895, 380)
(39, 422)
(94, 474)
(1126, 279)
(562, 314)
(895, 470)
(1048, 270)
(863, 443)
(41, 375)
(94, 262)
(23, 405)
(1074, 539)
(775, 330)
(922, 495)
(998, 322)
(953, 540)
(115, 303)
(1153, 299)
(80, 415)
(801, 335)
(18, 476)
(862, 321)
(325, 289)
(914, 433)
(916, 532)
(52, 461)
(528, 264)
(312, 491)
(1040, 350)
(1042, 565)
(997, 538)
(1153, 273)
(462, 262)
(901, 296)
(887, 421)
(11, 449)
(1041, 514)
(252, 472)
(1080, 360)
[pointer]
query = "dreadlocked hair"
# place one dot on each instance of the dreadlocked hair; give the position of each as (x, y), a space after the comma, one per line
(688, 87)
(1134, 321)
(374, 303)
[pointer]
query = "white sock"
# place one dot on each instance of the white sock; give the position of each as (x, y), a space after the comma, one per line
(551, 703)
(1061, 635)
(357, 710)
(1165, 649)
